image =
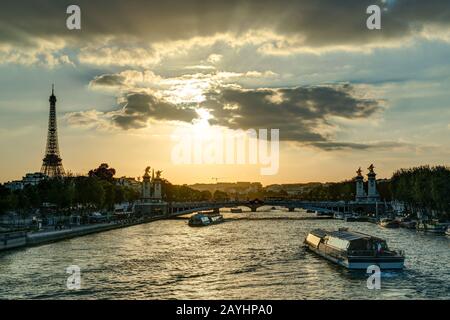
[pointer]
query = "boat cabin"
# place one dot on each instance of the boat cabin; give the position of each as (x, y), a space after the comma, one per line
(348, 241)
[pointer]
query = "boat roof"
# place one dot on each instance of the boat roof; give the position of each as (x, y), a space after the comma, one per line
(343, 234)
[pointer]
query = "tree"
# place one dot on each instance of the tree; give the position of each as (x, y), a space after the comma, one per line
(103, 172)
(6, 199)
(89, 191)
(423, 189)
(109, 195)
(220, 196)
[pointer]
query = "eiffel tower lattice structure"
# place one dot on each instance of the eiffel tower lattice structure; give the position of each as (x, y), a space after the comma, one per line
(52, 162)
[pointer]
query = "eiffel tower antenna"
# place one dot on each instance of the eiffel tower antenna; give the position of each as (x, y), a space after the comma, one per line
(52, 162)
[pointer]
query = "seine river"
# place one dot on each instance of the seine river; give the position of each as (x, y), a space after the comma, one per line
(251, 256)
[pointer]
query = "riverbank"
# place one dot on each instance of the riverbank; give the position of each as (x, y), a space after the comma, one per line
(16, 240)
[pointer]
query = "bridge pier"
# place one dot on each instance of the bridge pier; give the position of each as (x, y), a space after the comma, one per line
(291, 209)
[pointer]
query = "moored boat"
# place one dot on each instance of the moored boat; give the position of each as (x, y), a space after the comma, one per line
(389, 223)
(433, 226)
(407, 223)
(339, 216)
(236, 210)
(355, 218)
(324, 214)
(353, 250)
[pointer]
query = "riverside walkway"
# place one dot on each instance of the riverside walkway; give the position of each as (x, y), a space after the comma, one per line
(24, 239)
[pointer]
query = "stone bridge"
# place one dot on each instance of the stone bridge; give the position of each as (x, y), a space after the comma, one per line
(178, 208)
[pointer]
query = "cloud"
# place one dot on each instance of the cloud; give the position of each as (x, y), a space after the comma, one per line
(108, 80)
(139, 32)
(186, 88)
(381, 145)
(39, 52)
(303, 114)
(134, 111)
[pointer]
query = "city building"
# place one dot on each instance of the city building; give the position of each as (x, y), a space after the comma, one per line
(32, 179)
(129, 182)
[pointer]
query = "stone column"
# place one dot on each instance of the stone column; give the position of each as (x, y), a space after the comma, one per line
(146, 186)
(360, 193)
(372, 193)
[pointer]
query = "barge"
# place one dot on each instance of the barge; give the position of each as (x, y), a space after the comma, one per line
(353, 250)
(433, 226)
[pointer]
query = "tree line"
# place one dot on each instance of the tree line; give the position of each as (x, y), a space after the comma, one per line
(423, 189)
(67, 194)
(98, 190)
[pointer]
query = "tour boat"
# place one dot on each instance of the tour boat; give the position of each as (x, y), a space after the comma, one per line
(353, 250)
(389, 223)
(205, 219)
(448, 231)
(236, 210)
(310, 211)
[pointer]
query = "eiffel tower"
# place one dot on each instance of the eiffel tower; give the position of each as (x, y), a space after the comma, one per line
(52, 162)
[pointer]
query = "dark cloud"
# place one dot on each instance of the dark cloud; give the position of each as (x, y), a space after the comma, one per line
(333, 145)
(138, 108)
(300, 113)
(319, 22)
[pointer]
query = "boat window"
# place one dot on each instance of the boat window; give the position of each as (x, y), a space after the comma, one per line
(360, 244)
(338, 243)
(313, 240)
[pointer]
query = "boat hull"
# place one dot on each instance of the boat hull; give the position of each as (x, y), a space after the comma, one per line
(362, 263)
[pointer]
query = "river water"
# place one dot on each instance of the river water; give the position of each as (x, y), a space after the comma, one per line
(250, 256)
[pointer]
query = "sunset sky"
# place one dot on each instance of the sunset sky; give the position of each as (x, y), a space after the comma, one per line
(341, 95)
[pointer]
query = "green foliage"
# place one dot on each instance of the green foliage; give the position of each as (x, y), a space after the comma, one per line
(103, 172)
(89, 192)
(423, 188)
(337, 191)
(64, 194)
(220, 196)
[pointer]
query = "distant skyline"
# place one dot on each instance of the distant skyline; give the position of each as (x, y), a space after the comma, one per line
(341, 95)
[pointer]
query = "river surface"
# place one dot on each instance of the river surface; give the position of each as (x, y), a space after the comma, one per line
(250, 256)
